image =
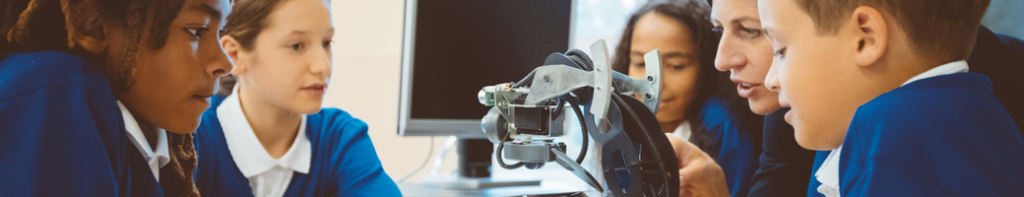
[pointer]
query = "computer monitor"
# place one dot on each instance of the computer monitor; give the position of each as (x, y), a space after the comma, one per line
(453, 48)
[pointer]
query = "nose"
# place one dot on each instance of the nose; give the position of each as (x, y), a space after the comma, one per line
(730, 56)
(321, 64)
(772, 80)
(216, 60)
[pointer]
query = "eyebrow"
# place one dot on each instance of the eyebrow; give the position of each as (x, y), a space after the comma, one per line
(206, 9)
(666, 55)
(746, 18)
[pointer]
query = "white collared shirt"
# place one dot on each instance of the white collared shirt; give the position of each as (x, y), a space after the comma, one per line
(683, 131)
(828, 173)
(267, 176)
(156, 158)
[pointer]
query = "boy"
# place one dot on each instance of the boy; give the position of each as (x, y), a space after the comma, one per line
(883, 84)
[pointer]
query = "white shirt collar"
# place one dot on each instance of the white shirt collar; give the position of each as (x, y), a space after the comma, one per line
(247, 151)
(828, 173)
(683, 131)
(156, 158)
(945, 69)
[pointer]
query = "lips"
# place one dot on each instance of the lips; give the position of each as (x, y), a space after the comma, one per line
(315, 90)
(318, 86)
(745, 90)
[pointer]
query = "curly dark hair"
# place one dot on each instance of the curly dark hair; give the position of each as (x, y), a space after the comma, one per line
(710, 83)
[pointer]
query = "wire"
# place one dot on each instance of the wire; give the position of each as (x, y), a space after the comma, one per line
(442, 154)
(501, 160)
(666, 181)
(429, 152)
(583, 126)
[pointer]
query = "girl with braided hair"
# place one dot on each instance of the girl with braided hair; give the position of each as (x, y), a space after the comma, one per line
(100, 97)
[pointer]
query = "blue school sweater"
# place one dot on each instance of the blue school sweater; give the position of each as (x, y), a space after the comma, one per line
(941, 136)
(61, 131)
(344, 162)
(738, 146)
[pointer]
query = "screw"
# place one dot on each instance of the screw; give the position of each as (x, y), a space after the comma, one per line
(598, 88)
(648, 96)
(547, 79)
(650, 78)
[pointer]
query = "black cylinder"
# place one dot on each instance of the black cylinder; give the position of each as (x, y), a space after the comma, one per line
(475, 158)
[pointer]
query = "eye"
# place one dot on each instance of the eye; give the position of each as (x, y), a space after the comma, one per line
(641, 64)
(781, 53)
(196, 32)
(718, 29)
(752, 33)
(296, 46)
(678, 67)
(327, 44)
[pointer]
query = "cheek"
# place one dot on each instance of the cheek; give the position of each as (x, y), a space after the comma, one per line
(760, 58)
(637, 72)
(173, 70)
(682, 84)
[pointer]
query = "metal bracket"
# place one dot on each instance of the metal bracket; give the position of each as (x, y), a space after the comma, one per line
(602, 84)
(653, 61)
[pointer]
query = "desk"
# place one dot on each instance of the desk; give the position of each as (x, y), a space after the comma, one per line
(553, 181)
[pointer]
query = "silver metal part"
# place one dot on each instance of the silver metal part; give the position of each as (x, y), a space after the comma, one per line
(653, 61)
(555, 80)
(602, 84)
(648, 88)
(494, 126)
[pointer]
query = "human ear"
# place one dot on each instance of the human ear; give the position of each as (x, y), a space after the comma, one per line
(234, 51)
(872, 34)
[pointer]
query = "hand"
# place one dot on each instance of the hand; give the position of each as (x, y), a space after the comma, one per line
(699, 175)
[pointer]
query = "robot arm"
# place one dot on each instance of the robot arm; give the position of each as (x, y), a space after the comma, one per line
(525, 117)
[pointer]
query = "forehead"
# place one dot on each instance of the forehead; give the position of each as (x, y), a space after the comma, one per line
(660, 31)
(218, 9)
(303, 14)
(776, 12)
(728, 10)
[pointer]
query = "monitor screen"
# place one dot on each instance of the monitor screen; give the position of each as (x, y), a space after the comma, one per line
(453, 48)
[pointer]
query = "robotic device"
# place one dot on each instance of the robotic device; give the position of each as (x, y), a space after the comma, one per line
(636, 159)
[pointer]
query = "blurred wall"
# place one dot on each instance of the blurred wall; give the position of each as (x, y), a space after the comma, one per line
(1006, 17)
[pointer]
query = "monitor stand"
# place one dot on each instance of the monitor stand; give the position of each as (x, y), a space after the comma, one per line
(474, 169)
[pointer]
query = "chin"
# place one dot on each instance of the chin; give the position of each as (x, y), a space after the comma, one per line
(820, 141)
(762, 107)
(310, 109)
(185, 128)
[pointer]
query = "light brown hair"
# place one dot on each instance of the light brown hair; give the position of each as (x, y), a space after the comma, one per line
(248, 18)
(943, 30)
